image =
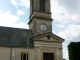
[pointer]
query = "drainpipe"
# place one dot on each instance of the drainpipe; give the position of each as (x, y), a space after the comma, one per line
(11, 53)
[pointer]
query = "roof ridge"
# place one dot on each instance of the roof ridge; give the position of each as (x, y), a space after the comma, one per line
(13, 27)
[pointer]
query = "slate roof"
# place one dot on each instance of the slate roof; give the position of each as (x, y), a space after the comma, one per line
(15, 37)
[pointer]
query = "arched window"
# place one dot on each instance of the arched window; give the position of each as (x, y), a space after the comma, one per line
(24, 56)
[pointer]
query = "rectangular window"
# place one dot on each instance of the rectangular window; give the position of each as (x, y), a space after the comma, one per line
(24, 56)
(48, 56)
(42, 5)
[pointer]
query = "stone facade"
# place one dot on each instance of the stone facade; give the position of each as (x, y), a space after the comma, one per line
(41, 45)
(40, 17)
(5, 53)
(36, 6)
(32, 46)
(44, 45)
(8, 53)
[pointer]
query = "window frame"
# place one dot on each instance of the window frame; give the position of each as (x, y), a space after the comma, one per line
(23, 56)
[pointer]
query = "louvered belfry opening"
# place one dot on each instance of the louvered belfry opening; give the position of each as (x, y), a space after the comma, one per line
(42, 5)
(48, 56)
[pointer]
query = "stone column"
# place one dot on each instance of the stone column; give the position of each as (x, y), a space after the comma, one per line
(36, 5)
(61, 54)
(40, 54)
(57, 53)
(36, 53)
(47, 6)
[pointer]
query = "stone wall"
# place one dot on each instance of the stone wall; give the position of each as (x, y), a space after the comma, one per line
(8, 53)
(5, 53)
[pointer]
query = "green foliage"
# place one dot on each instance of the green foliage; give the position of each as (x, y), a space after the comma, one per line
(74, 51)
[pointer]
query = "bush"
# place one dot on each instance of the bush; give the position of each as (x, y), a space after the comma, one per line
(74, 51)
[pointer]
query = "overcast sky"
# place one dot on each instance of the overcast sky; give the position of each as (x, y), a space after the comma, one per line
(66, 15)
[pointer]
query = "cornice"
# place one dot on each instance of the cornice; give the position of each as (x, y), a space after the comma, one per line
(40, 12)
(41, 18)
(59, 39)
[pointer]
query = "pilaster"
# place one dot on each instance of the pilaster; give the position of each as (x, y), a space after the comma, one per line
(13, 54)
(57, 54)
(61, 54)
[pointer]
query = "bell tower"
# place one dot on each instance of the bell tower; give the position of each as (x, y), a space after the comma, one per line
(46, 44)
(40, 20)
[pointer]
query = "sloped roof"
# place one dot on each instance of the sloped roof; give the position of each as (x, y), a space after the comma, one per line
(15, 37)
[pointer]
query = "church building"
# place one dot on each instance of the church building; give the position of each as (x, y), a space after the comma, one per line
(36, 43)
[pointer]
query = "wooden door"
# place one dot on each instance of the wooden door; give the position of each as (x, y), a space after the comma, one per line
(48, 56)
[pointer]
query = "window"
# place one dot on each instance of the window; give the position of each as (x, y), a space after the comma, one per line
(24, 56)
(48, 56)
(42, 5)
(48, 37)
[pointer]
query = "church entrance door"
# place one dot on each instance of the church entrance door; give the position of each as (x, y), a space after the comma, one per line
(48, 56)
